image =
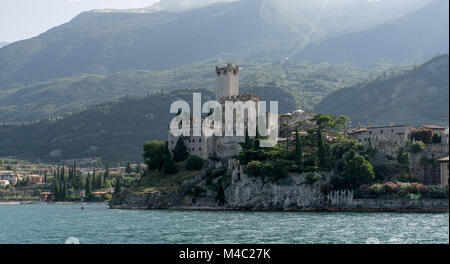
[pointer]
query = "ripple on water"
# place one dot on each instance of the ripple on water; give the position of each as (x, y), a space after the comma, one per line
(49, 223)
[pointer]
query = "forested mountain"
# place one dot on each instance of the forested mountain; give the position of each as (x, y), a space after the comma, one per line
(113, 131)
(305, 83)
(413, 38)
(416, 96)
(102, 55)
(135, 63)
(102, 42)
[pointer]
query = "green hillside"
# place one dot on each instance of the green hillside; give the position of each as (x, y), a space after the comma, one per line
(416, 96)
(100, 42)
(306, 83)
(113, 131)
(412, 38)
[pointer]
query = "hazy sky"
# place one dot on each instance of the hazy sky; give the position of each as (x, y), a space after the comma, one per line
(22, 19)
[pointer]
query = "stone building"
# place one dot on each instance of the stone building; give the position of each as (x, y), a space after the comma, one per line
(373, 136)
(227, 89)
(388, 140)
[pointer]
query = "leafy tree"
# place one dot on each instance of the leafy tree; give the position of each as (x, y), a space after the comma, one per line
(326, 123)
(403, 156)
(417, 147)
(154, 154)
(180, 151)
(358, 170)
(194, 163)
(437, 139)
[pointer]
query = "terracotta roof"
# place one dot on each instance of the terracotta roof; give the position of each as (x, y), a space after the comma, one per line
(433, 127)
(444, 159)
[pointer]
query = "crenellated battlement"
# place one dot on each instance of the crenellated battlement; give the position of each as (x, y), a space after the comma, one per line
(227, 81)
(229, 69)
(240, 97)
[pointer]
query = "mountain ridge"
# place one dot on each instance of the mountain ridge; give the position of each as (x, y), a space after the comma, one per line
(416, 96)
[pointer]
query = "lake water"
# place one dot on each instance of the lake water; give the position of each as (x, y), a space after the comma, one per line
(50, 223)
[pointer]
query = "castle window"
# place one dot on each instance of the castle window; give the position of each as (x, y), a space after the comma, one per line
(199, 140)
(381, 131)
(193, 140)
(200, 149)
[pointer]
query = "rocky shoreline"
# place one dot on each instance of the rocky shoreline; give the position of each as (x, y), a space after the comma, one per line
(433, 206)
(250, 194)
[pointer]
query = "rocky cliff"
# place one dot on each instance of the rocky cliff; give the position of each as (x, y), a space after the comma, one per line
(242, 192)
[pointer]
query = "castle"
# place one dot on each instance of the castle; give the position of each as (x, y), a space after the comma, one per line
(227, 89)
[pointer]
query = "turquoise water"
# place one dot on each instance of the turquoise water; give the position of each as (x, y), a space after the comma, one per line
(41, 223)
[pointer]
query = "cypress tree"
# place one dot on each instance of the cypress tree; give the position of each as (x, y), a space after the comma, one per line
(88, 186)
(180, 152)
(298, 150)
(106, 182)
(118, 186)
(321, 151)
(60, 188)
(169, 165)
(64, 193)
(247, 142)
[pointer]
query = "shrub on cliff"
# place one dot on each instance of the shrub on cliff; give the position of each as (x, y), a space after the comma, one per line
(273, 170)
(390, 188)
(435, 192)
(417, 147)
(194, 163)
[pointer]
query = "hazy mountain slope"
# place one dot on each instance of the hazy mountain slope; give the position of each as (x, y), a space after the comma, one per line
(100, 42)
(113, 131)
(96, 42)
(417, 96)
(2, 44)
(414, 37)
(307, 84)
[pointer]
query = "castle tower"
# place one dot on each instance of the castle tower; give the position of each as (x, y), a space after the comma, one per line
(227, 81)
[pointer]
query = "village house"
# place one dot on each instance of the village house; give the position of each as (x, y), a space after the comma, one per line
(4, 183)
(46, 196)
(36, 179)
(10, 176)
(373, 136)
